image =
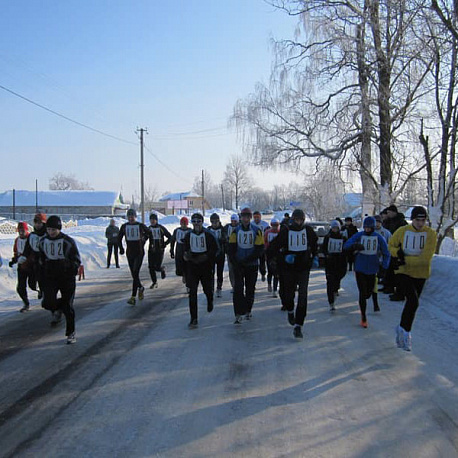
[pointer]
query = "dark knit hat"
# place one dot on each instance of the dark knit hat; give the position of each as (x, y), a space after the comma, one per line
(153, 216)
(369, 221)
(54, 222)
(418, 212)
(348, 218)
(131, 212)
(378, 218)
(246, 211)
(197, 216)
(392, 208)
(298, 213)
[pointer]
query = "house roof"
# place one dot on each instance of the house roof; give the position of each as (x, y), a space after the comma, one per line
(60, 198)
(178, 196)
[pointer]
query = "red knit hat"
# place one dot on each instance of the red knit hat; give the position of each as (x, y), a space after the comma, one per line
(23, 225)
(184, 220)
(41, 217)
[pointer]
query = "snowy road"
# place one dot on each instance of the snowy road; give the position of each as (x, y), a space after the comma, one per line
(140, 384)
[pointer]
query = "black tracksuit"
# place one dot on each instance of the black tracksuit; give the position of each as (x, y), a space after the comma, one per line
(348, 232)
(220, 237)
(177, 240)
(156, 249)
(23, 271)
(200, 252)
(32, 253)
(295, 247)
(136, 235)
(59, 260)
(335, 262)
(111, 234)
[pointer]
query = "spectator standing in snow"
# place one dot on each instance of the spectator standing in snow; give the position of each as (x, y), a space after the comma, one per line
(111, 234)
(412, 248)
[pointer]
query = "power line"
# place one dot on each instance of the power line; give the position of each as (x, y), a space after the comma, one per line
(66, 117)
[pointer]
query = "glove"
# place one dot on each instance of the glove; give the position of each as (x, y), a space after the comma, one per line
(172, 255)
(11, 263)
(396, 263)
(401, 257)
(358, 247)
(121, 250)
(290, 258)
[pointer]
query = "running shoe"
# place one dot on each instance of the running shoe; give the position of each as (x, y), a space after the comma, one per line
(210, 306)
(163, 273)
(193, 324)
(25, 308)
(153, 285)
(71, 339)
(407, 338)
(364, 324)
(263, 278)
(218, 293)
(238, 319)
(399, 336)
(131, 301)
(332, 307)
(56, 317)
(297, 332)
(248, 316)
(141, 293)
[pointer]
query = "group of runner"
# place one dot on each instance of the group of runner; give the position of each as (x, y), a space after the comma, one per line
(281, 253)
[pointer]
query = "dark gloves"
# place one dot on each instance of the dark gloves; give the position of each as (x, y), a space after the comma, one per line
(397, 262)
(172, 254)
(358, 247)
(121, 250)
(11, 263)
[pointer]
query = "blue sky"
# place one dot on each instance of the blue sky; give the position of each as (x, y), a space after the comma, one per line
(175, 67)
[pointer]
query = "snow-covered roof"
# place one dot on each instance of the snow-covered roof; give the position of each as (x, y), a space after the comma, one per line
(60, 198)
(178, 196)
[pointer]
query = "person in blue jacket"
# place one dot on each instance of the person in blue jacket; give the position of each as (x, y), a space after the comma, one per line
(367, 245)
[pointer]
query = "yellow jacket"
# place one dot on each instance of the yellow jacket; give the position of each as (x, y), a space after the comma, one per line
(418, 247)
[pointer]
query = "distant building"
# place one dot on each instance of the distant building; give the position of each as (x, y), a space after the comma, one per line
(180, 203)
(67, 204)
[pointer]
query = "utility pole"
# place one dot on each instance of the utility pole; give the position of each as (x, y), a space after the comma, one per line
(142, 177)
(36, 196)
(203, 195)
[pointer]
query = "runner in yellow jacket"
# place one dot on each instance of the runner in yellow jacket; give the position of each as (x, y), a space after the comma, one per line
(412, 248)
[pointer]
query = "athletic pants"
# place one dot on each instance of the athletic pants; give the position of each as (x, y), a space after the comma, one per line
(155, 259)
(244, 286)
(262, 264)
(412, 288)
(272, 274)
(219, 262)
(112, 248)
(231, 272)
(66, 286)
(290, 281)
(365, 284)
(135, 264)
(21, 287)
(203, 274)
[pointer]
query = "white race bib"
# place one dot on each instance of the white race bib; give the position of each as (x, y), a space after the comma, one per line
(335, 245)
(414, 243)
(132, 232)
(180, 235)
(370, 244)
(297, 240)
(34, 240)
(54, 249)
(198, 243)
(245, 239)
(20, 245)
(156, 231)
(271, 236)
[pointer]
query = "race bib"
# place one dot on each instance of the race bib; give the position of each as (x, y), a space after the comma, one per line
(297, 240)
(34, 240)
(198, 243)
(156, 231)
(54, 249)
(414, 243)
(370, 245)
(132, 232)
(20, 245)
(271, 236)
(180, 236)
(245, 239)
(335, 245)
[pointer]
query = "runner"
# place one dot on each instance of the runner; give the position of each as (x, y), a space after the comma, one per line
(60, 259)
(111, 234)
(32, 252)
(295, 247)
(272, 267)
(156, 249)
(367, 246)
(200, 249)
(217, 230)
(228, 229)
(23, 269)
(348, 231)
(246, 245)
(177, 240)
(335, 262)
(136, 235)
(262, 226)
(412, 248)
